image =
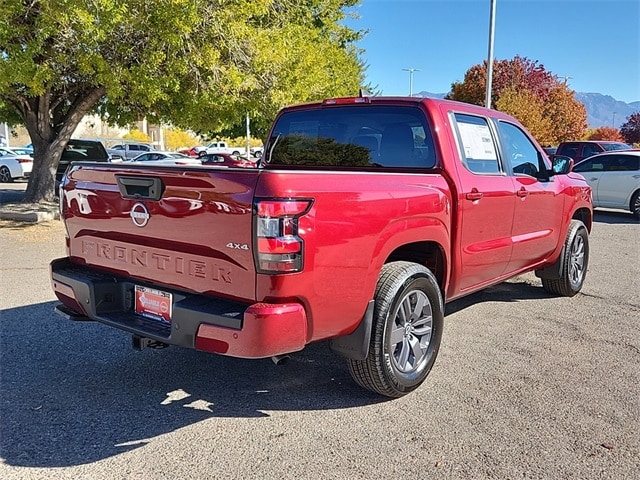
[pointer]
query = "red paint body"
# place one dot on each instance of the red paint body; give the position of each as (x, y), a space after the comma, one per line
(473, 231)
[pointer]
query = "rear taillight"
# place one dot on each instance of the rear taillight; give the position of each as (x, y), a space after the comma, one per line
(25, 160)
(279, 248)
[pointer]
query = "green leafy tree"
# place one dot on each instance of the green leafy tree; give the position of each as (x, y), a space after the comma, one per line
(195, 64)
(630, 130)
(552, 113)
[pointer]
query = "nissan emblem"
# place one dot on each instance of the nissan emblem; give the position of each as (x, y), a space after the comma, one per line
(139, 214)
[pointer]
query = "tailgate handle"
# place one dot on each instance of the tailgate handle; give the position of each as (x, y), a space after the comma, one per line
(140, 188)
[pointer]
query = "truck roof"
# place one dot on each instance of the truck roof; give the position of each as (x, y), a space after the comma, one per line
(403, 100)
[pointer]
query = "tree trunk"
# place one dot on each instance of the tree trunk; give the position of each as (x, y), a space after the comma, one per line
(41, 186)
(49, 140)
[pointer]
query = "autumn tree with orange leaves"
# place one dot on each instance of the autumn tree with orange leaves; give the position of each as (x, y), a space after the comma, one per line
(605, 133)
(525, 89)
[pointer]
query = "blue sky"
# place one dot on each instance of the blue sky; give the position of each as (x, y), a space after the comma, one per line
(595, 42)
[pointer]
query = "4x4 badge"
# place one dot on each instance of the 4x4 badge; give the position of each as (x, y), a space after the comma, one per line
(139, 214)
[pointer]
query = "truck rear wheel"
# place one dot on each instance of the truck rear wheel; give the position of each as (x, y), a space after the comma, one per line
(407, 329)
(574, 261)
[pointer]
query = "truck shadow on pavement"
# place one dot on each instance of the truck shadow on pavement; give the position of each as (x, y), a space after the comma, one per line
(612, 217)
(75, 393)
(514, 290)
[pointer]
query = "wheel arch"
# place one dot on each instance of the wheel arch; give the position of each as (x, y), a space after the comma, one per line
(585, 215)
(632, 198)
(428, 253)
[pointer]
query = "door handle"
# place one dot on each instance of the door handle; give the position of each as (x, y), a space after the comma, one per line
(522, 193)
(474, 195)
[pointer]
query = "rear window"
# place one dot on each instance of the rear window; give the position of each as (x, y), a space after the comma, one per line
(610, 147)
(354, 136)
(84, 150)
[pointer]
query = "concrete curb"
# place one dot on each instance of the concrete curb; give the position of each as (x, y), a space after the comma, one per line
(12, 208)
(28, 216)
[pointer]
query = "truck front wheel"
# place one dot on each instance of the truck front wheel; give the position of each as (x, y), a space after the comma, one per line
(407, 329)
(573, 262)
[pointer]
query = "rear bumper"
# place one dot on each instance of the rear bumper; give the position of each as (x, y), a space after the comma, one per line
(198, 321)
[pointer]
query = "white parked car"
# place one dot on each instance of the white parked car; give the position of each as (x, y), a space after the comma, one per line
(164, 158)
(257, 151)
(614, 178)
(14, 165)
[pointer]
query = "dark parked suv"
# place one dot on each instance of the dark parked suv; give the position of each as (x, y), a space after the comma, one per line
(586, 148)
(81, 151)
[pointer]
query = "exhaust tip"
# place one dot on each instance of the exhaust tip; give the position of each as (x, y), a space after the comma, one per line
(280, 359)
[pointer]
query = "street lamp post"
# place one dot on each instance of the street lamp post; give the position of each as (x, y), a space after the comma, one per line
(614, 119)
(410, 70)
(492, 17)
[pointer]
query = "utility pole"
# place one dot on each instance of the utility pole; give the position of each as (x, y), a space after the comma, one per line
(5, 134)
(248, 138)
(492, 18)
(410, 70)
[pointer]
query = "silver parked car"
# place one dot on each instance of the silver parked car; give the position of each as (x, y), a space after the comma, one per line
(164, 158)
(614, 178)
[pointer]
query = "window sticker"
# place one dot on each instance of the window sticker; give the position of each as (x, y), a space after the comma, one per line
(477, 141)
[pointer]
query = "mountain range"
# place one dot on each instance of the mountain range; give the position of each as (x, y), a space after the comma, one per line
(602, 110)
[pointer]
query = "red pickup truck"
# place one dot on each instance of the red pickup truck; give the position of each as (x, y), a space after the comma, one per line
(363, 218)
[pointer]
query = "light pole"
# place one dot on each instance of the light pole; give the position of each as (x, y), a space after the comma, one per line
(410, 70)
(614, 119)
(492, 18)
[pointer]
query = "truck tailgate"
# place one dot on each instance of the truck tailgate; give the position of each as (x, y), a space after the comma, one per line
(188, 229)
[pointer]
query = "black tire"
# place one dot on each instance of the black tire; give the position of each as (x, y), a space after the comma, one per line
(235, 153)
(634, 205)
(5, 175)
(406, 331)
(574, 262)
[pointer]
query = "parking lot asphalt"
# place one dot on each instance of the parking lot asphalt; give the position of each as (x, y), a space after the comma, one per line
(526, 386)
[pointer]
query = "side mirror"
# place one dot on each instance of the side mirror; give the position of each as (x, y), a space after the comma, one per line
(561, 164)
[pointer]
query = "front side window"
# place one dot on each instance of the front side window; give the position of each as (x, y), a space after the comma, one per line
(591, 165)
(520, 152)
(353, 136)
(477, 146)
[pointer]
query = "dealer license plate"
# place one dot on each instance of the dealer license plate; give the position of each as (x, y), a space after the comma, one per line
(153, 303)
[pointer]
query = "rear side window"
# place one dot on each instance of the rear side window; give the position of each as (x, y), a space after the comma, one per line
(589, 149)
(477, 146)
(354, 136)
